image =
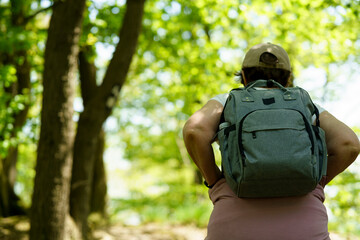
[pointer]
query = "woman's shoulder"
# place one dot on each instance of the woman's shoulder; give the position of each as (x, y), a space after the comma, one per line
(221, 98)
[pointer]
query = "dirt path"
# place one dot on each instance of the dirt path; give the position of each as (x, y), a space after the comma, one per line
(16, 228)
(150, 232)
(160, 232)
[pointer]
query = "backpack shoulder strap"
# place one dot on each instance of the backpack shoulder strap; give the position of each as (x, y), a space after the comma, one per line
(222, 117)
(309, 105)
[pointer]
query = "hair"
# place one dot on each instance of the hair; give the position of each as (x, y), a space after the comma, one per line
(255, 73)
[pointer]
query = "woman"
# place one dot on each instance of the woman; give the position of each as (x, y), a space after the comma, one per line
(287, 218)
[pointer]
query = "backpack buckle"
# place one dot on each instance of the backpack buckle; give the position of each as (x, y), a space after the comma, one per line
(288, 96)
(247, 97)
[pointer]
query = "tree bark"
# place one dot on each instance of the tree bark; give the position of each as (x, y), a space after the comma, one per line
(88, 90)
(97, 110)
(54, 160)
(98, 199)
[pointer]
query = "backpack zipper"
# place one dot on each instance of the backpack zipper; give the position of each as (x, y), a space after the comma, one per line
(253, 135)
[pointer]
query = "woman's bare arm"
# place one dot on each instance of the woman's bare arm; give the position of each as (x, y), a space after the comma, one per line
(198, 133)
(342, 144)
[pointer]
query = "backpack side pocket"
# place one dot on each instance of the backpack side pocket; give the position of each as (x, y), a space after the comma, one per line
(321, 153)
(228, 166)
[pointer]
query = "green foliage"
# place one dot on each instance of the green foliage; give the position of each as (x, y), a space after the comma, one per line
(25, 172)
(344, 204)
(162, 195)
(182, 205)
(9, 106)
(15, 38)
(187, 53)
(22, 38)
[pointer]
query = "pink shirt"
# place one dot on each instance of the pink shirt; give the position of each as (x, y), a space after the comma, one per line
(290, 218)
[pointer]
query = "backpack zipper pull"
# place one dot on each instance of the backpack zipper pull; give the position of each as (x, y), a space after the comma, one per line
(253, 135)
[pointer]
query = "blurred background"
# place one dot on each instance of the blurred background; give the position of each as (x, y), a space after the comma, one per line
(121, 138)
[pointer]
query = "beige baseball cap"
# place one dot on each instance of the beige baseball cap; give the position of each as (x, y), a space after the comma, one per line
(279, 58)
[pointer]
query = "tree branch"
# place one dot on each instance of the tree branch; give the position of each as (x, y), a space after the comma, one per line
(28, 18)
(87, 72)
(119, 65)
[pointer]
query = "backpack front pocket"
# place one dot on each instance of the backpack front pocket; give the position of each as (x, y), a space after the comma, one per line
(276, 145)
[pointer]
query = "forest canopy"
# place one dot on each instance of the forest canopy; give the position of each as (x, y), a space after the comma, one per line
(125, 76)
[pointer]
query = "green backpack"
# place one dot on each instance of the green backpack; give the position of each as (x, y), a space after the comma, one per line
(269, 146)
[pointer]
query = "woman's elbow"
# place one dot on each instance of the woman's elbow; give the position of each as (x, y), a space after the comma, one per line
(354, 147)
(349, 148)
(193, 132)
(190, 131)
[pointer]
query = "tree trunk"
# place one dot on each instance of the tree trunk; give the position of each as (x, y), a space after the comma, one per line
(99, 188)
(96, 111)
(88, 89)
(4, 203)
(54, 160)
